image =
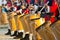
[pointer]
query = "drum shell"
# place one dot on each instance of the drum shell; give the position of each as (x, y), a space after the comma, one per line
(25, 21)
(4, 18)
(19, 22)
(37, 20)
(12, 22)
(33, 16)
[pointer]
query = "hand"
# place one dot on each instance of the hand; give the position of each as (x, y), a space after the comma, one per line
(17, 11)
(52, 16)
(46, 6)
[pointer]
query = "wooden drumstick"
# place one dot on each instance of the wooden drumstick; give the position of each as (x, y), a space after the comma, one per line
(44, 6)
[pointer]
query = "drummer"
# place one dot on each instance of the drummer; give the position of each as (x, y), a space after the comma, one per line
(20, 28)
(24, 10)
(52, 8)
(11, 9)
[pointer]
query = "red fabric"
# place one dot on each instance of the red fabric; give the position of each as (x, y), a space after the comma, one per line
(28, 1)
(52, 19)
(26, 11)
(9, 4)
(35, 1)
(53, 8)
(44, 1)
(23, 10)
(46, 18)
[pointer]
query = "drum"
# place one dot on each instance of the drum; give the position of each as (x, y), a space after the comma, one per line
(12, 21)
(49, 32)
(0, 15)
(4, 18)
(56, 29)
(34, 16)
(24, 19)
(28, 27)
(37, 20)
(19, 22)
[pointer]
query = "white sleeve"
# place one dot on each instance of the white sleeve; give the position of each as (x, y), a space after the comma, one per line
(35, 7)
(15, 9)
(20, 10)
(48, 9)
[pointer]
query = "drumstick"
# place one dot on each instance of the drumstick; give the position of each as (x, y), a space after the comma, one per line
(44, 6)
